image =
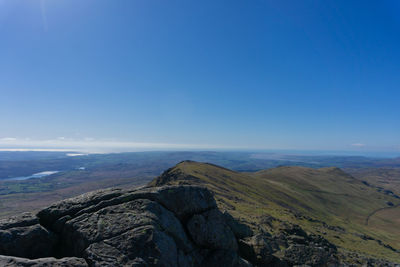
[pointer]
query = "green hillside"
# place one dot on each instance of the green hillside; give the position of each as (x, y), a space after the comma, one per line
(325, 201)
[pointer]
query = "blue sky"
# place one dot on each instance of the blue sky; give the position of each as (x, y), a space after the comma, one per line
(320, 75)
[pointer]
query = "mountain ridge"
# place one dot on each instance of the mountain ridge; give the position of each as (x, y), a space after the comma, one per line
(318, 199)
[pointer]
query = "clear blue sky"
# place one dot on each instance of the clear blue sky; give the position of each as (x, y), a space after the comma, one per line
(249, 73)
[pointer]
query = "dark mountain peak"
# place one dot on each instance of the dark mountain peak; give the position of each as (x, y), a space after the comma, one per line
(336, 171)
(174, 175)
(188, 172)
(331, 169)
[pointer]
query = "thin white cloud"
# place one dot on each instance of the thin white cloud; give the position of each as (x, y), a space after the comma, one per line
(358, 145)
(76, 154)
(94, 145)
(34, 149)
(8, 139)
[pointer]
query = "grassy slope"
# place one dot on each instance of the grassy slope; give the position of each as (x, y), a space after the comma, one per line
(295, 194)
(385, 177)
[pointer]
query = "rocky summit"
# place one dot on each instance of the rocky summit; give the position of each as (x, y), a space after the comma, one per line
(149, 226)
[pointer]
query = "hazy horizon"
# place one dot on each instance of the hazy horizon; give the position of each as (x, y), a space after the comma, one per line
(101, 150)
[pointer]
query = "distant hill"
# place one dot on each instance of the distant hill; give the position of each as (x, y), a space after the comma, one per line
(325, 201)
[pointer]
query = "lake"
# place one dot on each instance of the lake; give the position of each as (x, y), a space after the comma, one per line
(33, 176)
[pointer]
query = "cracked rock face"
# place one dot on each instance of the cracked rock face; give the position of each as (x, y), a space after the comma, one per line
(210, 230)
(64, 262)
(23, 236)
(161, 226)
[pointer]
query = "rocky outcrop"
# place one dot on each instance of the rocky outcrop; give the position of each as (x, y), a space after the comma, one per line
(257, 249)
(23, 236)
(6, 261)
(160, 226)
(301, 248)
